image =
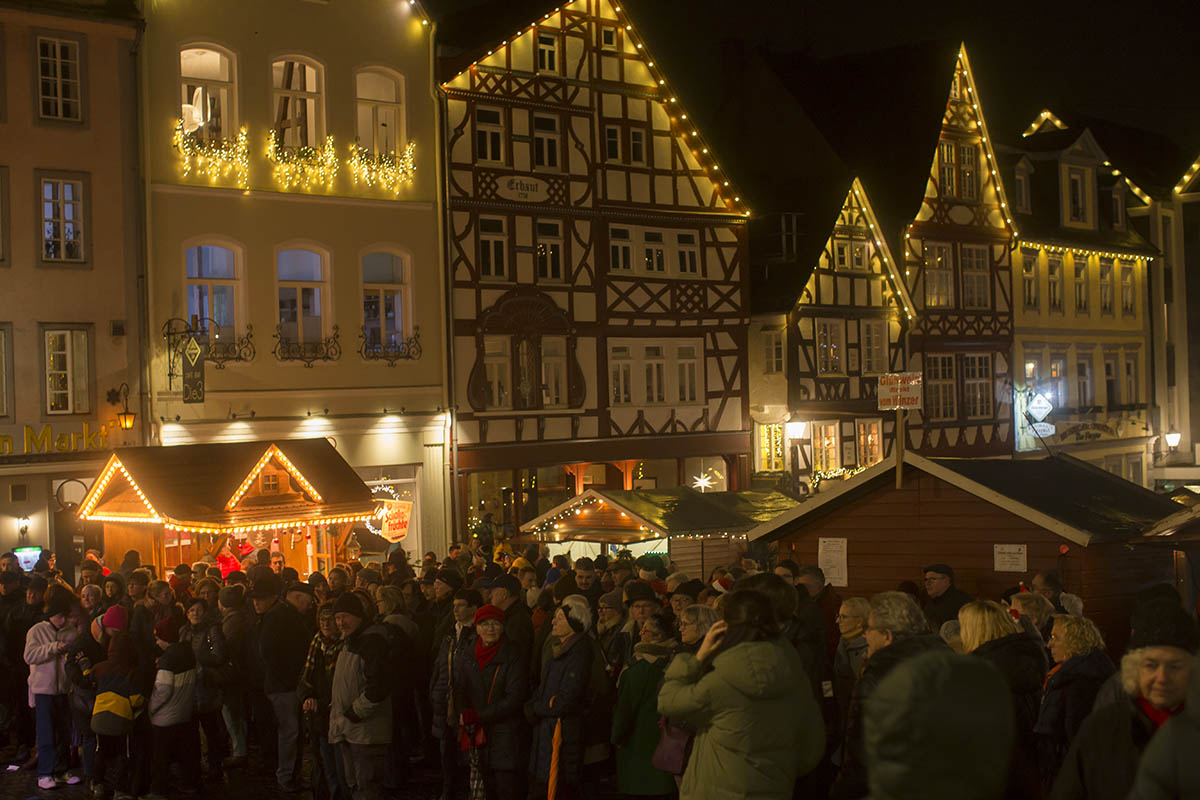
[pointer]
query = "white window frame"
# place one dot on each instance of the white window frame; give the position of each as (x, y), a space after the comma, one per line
(1077, 176)
(549, 251)
(637, 146)
(1108, 286)
(381, 107)
(830, 346)
(224, 90)
(1021, 190)
(1082, 287)
(1112, 380)
(399, 292)
(489, 136)
(869, 436)
(826, 446)
(1054, 282)
(1029, 280)
(55, 217)
(688, 374)
(948, 168)
(620, 361)
(1057, 379)
(874, 343)
(968, 172)
(208, 284)
(1118, 209)
(295, 98)
(860, 258)
(772, 449)
(773, 352)
(654, 252)
(654, 372)
(605, 30)
(322, 294)
(497, 369)
(493, 249)
(939, 280)
(978, 387)
(77, 341)
(1129, 380)
(620, 249)
(1085, 383)
(976, 276)
(841, 254)
(612, 143)
(554, 372)
(687, 254)
(548, 50)
(546, 141)
(941, 388)
(1128, 290)
(63, 52)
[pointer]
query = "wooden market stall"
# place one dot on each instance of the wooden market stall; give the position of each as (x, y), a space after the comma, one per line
(700, 530)
(178, 504)
(995, 521)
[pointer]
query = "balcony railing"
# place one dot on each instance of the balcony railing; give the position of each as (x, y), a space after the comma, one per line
(392, 351)
(288, 349)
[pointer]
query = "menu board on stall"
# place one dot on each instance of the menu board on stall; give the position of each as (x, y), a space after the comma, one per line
(831, 558)
(1010, 558)
(396, 515)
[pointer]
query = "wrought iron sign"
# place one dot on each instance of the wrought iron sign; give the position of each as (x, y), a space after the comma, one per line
(391, 352)
(214, 348)
(327, 349)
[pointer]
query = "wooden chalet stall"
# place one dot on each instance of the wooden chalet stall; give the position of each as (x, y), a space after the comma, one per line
(996, 522)
(697, 530)
(178, 504)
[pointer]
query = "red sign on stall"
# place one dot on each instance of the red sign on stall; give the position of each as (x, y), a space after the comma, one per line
(899, 390)
(396, 514)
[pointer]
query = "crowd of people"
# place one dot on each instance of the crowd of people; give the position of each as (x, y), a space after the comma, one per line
(526, 676)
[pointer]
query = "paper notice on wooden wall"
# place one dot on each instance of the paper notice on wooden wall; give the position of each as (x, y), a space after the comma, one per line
(1010, 558)
(831, 558)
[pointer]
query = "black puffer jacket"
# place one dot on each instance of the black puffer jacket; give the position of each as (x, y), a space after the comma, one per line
(283, 638)
(851, 782)
(1103, 760)
(497, 693)
(1021, 659)
(942, 609)
(1067, 700)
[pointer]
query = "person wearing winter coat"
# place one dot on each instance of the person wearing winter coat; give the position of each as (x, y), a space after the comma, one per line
(172, 716)
(559, 705)
(46, 647)
(989, 632)
(360, 707)
(897, 631)
(850, 655)
(1081, 668)
(491, 685)
(938, 726)
(635, 730)
(283, 636)
(1169, 768)
(456, 643)
(758, 728)
(316, 693)
(85, 652)
(1102, 763)
(119, 702)
(203, 634)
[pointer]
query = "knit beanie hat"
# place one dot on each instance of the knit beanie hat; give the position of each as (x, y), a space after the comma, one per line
(941, 569)
(612, 600)
(565, 587)
(638, 590)
(579, 613)
(488, 612)
(58, 604)
(231, 596)
(116, 618)
(451, 577)
(348, 603)
(1163, 623)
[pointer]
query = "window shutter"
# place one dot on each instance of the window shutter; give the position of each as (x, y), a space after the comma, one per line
(80, 384)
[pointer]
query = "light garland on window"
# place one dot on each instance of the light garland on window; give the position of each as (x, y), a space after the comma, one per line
(273, 452)
(215, 160)
(386, 490)
(1055, 248)
(303, 167)
(845, 473)
(388, 171)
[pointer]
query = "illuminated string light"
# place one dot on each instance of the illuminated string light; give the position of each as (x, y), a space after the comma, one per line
(845, 473)
(1046, 116)
(303, 167)
(273, 453)
(388, 171)
(97, 491)
(216, 159)
(1187, 176)
(1056, 248)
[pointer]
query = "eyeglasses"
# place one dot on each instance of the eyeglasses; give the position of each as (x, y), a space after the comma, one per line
(841, 617)
(938, 578)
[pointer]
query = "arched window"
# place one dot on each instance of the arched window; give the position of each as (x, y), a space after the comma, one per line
(301, 296)
(212, 290)
(208, 84)
(380, 108)
(384, 311)
(298, 98)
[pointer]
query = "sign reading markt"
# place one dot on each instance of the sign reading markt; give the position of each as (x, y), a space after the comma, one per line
(41, 439)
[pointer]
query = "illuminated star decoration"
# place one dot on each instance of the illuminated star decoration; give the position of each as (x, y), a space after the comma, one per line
(702, 482)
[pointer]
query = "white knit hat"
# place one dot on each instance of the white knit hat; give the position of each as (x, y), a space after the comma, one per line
(578, 612)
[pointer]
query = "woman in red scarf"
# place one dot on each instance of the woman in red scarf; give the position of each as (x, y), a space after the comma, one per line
(490, 689)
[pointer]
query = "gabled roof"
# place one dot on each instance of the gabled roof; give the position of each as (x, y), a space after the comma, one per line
(1063, 495)
(200, 483)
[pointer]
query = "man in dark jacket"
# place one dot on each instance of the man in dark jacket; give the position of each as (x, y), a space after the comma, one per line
(812, 580)
(360, 718)
(1103, 760)
(943, 598)
(588, 581)
(518, 621)
(896, 632)
(283, 640)
(455, 643)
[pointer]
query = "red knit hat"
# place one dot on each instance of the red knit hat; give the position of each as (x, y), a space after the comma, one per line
(116, 618)
(489, 612)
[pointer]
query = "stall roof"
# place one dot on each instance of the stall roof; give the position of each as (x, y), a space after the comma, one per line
(1066, 496)
(200, 485)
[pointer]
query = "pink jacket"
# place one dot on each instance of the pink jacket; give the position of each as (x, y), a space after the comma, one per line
(46, 672)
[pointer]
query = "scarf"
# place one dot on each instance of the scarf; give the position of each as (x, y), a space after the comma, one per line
(654, 651)
(1050, 674)
(1157, 717)
(855, 633)
(561, 646)
(485, 653)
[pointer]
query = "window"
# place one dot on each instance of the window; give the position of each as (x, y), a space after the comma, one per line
(1077, 209)
(208, 106)
(637, 146)
(301, 296)
(554, 371)
(874, 347)
(1128, 301)
(688, 253)
(612, 143)
(1054, 268)
(270, 483)
(789, 235)
(1021, 190)
(68, 377)
(826, 450)
(493, 248)
(608, 38)
(497, 370)
(770, 447)
(1133, 464)
(547, 52)
(549, 251)
(1118, 210)
(968, 172)
(1130, 388)
(621, 365)
(870, 444)
(655, 371)
(59, 81)
(1083, 383)
(5, 369)
(940, 399)
(1033, 371)
(773, 352)
(688, 367)
(545, 141)
(384, 311)
(379, 109)
(655, 253)
(489, 135)
(297, 98)
(1081, 284)
(620, 250)
(62, 220)
(841, 255)
(858, 255)
(955, 91)
(1029, 279)
(1113, 465)
(1111, 382)
(1107, 287)
(976, 276)
(939, 276)
(212, 282)
(977, 386)
(947, 168)
(1056, 389)
(829, 346)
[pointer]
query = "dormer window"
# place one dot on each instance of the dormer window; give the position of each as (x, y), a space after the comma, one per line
(1118, 209)
(1077, 196)
(270, 483)
(1021, 192)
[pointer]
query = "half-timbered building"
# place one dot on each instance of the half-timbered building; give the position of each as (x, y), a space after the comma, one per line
(595, 265)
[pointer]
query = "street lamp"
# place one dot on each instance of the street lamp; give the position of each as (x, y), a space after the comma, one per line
(796, 429)
(125, 417)
(1172, 438)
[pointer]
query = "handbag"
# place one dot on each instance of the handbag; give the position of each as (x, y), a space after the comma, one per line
(673, 749)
